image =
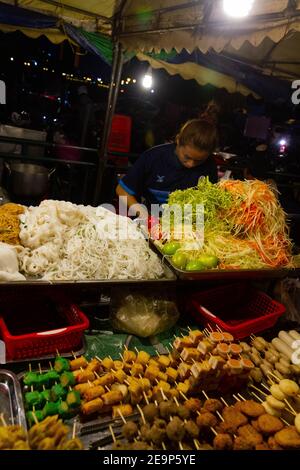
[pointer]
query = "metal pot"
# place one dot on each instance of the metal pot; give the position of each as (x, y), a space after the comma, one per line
(28, 180)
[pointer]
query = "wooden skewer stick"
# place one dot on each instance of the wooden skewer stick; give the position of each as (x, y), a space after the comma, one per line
(222, 399)
(145, 397)
(121, 415)
(219, 329)
(236, 398)
(141, 413)
(97, 375)
(4, 423)
(241, 396)
(176, 402)
(40, 369)
(180, 446)
(125, 347)
(90, 383)
(29, 367)
(34, 415)
(121, 357)
(290, 406)
(257, 397)
(196, 444)
(205, 394)
(163, 394)
(258, 390)
(98, 358)
(112, 433)
(210, 327)
(163, 446)
(275, 376)
(214, 431)
(267, 388)
(74, 429)
(220, 416)
(107, 388)
(183, 395)
(57, 352)
(50, 365)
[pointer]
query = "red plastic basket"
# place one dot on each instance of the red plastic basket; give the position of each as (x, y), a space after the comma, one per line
(42, 343)
(237, 308)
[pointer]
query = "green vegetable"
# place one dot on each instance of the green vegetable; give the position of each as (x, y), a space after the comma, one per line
(63, 410)
(179, 260)
(50, 409)
(73, 399)
(67, 379)
(32, 399)
(44, 380)
(31, 379)
(61, 364)
(194, 265)
(58, 392)
(52, 376)
(45, 396)
(170, 248)
(209, 261)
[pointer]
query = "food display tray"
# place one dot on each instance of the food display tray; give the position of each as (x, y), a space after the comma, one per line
(11, 401)
(227, 274)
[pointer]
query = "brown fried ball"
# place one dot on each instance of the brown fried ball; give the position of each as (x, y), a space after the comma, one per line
(273, 444)
(191, 429)
(151, 412)
(206, 420)
(241, 444)
(262, 446)
(269, 424)
(167, 409)
(193, 404)
(146, 432)
(175, 430)
(212, 405)
(251, 408)
(223, 442)
(288, 438)
(250, 435)
(130, 430)
(183, 412)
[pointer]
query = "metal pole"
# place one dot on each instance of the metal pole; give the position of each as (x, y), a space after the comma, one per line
(112, 99)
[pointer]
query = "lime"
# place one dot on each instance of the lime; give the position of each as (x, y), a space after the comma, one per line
(209, 261)
(194, 265)
(170, 248)
(179, 260)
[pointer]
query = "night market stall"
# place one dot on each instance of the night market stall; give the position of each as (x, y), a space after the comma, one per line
(226, 375)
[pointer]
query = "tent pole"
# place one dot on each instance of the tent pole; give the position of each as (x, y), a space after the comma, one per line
(111, 105)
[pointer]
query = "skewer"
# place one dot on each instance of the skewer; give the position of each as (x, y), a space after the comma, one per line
(141, 413)
(29, 367)
(180, 446)
(74, 429)
(205, 394)
(244, 399)
(275, 376)
(120, 357)
(90, 383)
(73, 354)
(107, 388)
(97, 375)
(196, 444)
(236, 398)
(57, 352)
(162, 394)
(219, 329)
(40, 369)
(267, 388)
(145, 397)
(176, 402)
(214, 431)
(258, 390)
(125, 347)
(4, 423)
(222, 399)
(183, 395)
(122, 417)
(50, 365)
(210, 327)
(112, 434)
(34, 415)
(257, 397)
(163, 446)
(290, 406)
(98, 358)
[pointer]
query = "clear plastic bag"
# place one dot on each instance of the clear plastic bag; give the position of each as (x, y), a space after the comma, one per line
(143, 315)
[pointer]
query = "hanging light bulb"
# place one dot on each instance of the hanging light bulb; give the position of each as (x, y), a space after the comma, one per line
(238, 8)
(147, 80)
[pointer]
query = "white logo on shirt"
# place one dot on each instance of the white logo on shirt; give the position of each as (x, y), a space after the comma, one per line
(160, 179)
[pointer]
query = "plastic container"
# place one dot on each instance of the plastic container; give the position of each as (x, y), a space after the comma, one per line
(25, 336)
(237, 308)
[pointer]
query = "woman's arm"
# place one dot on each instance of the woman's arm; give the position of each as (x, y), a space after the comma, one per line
(140, 210)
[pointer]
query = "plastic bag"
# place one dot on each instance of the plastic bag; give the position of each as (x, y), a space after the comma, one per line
(143, 315)
(288, 293)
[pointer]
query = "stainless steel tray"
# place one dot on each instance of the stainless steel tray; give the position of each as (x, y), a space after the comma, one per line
(11, 401)
(226, 274)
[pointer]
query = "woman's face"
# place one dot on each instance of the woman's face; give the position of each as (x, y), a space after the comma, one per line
(190, 157)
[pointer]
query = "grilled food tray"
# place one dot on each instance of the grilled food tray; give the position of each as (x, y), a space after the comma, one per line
(11, 401)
